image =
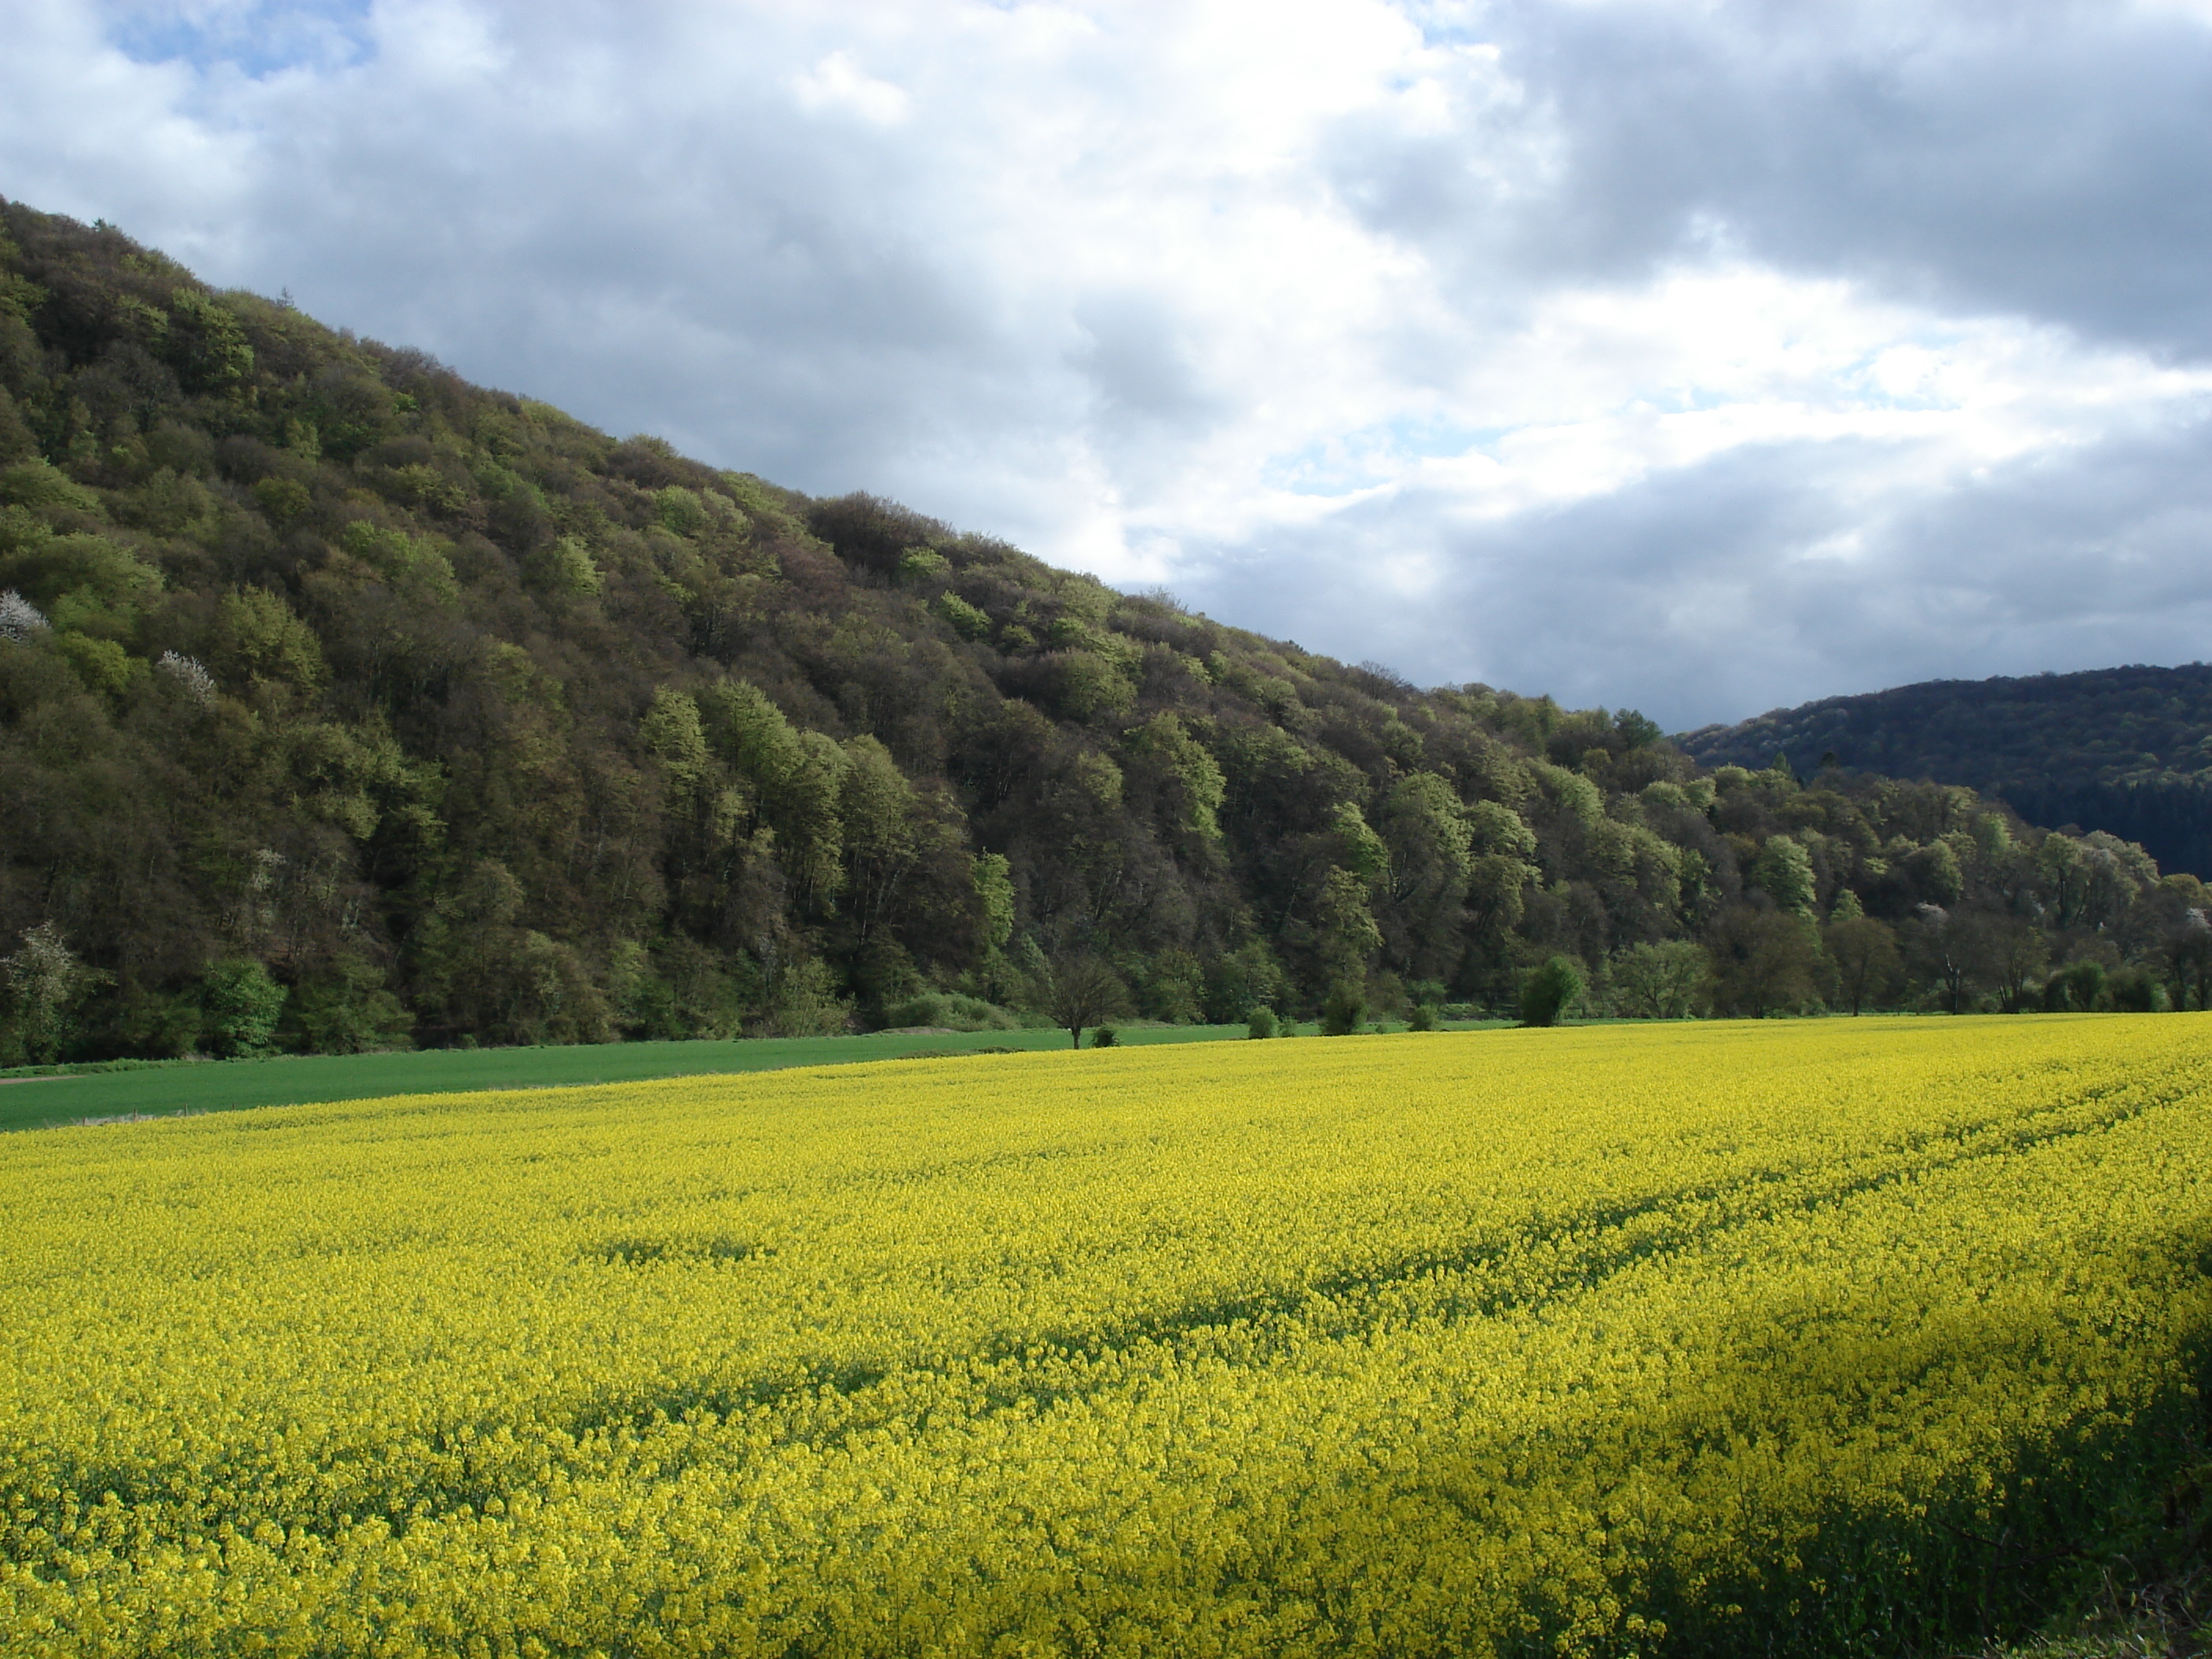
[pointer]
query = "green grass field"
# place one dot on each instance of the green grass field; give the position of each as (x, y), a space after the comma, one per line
(299, 1080)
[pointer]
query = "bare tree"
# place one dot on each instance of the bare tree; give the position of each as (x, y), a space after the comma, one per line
(1079, 990)
(2015, 955)
(1946, 951)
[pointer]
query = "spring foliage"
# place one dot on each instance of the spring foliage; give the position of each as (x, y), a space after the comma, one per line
(465, 722)
(1711, 1338)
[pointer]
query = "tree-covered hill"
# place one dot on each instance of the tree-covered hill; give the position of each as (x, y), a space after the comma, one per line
(343, 703)
(2124, 750)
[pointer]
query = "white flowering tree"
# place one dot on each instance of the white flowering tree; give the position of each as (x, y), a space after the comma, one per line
(189, 676)
(19, 617)
(42, 979)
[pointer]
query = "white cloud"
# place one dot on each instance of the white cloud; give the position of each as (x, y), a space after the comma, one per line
(837, 84)
(1340, 316)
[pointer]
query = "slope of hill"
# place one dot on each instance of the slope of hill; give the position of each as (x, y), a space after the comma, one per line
(2124, 750)
(343, 703)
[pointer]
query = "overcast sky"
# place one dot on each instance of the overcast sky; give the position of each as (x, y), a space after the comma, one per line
(1699, 357)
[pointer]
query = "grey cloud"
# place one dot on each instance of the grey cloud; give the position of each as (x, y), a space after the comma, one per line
(1136, 359)
(2048, 162)
(1145, 390)
(1694, 595)
(624, 216)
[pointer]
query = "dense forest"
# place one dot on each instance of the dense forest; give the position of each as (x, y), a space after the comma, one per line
(346, 705)
(2128, 751)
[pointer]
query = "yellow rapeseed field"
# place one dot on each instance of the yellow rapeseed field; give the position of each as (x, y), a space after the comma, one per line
(1821, 1337)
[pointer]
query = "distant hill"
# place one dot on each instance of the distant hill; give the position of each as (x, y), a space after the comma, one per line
(2124, 750)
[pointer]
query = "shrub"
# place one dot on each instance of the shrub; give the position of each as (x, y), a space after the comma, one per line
(2134, 991)
(2078, 988)
(807, 1003)
(1345, 1010)
(1550, 992)
(150, 1025)
(1426, 1017)
(1104, 1036)
(1242, 981)
(241, 1006)
(348, 1011)
(1262, 1023)
(951, 1011)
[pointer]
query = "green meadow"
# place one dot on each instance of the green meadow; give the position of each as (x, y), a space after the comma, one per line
(153, 1090)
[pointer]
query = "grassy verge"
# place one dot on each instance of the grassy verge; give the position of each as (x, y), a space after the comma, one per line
(2168, 1621)
(35, 1099)
(2147, 1585)
(296, 1080)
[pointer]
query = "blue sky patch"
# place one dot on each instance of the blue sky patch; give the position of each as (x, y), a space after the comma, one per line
(256, 39)
(1353, 461)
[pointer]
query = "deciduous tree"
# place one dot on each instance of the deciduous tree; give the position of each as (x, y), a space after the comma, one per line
(1666, 979)
(1078, 989)
(1864, 953)
(1765, 962)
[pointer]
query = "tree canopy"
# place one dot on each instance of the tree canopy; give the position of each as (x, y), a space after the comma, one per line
(2127, 750)
(343, 703)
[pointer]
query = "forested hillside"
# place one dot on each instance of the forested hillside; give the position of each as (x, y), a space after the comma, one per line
(2124, 750)
(345, 704)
